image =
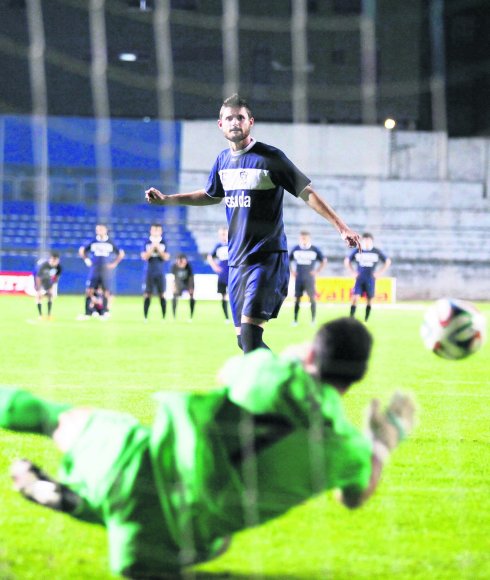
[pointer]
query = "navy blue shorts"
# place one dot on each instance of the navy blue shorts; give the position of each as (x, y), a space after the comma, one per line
(155, 281)
(305, 283)
(364, 285)
(102, 278)
(258, 288)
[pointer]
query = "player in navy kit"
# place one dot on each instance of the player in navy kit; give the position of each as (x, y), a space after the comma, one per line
(183, 281)
(251, 177)
(98, 255)
(218, 260)
(307, 261)
(365, 272)
(46, 277)
(154, 255)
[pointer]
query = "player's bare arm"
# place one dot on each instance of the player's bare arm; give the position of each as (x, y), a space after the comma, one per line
(198, 197)
(117, 261)
(383, 269)
(214, 266)
(313, 200)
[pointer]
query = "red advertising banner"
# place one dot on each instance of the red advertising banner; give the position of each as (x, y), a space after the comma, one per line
(17, 283)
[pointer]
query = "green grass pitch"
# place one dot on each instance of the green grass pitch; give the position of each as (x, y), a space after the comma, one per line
(428, 520)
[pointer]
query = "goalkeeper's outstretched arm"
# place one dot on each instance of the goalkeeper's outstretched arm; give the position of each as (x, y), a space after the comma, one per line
(386, 429)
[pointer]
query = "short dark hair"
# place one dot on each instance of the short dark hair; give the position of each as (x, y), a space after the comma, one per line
(181, 257)
(54, 254)
(342, 348)
(367, 235)
(304, 233)
(155, 225)
(236, 101)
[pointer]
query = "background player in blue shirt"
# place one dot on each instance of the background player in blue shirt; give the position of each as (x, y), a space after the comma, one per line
(366, 262)
(307, 261)
(154, 255)
(98, 255)
(46, 277)
(218, 260)
(183, 281)
(251, 177)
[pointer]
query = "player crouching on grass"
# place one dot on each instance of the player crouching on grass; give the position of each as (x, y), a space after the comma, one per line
(171, 495)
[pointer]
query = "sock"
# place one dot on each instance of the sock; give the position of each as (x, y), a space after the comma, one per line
(146, 306)
(252, 337)
(50, 305)
(40, 309)
(87, 305)
(296, 310)
(22, 411)
(174, 305)
(368, 312)
(352, 310)
(239, 341)
(105, 305)
(192, 303)
(163, 304)
(313, 311)
(224, 306)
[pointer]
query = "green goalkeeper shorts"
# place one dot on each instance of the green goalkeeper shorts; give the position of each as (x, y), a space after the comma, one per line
(109, 467)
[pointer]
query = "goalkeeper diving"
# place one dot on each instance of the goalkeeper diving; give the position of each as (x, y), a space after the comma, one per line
(273, 435)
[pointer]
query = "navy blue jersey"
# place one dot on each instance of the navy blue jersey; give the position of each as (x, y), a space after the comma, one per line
(46, 272)
(367, 261)
(305, 259)
(155, 262)
(220, 255)
(100, 251)
(252, 182)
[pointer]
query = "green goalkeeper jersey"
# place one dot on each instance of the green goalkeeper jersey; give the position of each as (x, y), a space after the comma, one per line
(271, 438)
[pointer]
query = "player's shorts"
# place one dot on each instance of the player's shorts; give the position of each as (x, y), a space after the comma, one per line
(109, 466)
(304, 283)
(180, 286)
(258, 288)
(46, 284)
(154, 281)
(99, 278)
(365, 285)
(222, 286)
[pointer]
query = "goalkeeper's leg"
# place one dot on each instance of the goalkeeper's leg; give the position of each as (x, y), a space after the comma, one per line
(23, 411)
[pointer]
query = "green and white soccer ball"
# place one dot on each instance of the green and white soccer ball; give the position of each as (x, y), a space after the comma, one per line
(453, 329)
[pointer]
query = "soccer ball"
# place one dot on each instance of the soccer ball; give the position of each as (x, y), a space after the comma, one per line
(453, 329)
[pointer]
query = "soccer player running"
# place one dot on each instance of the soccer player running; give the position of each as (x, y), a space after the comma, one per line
(218, 260)
(171, 495)
(366, 260)
(98, 256)
(251, 177)
(154, 255)
(306, 261)
(183, 281)
(46, 278)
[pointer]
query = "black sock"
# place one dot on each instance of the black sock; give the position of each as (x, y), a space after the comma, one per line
(352, 310)
(239, 341)
(87, 305)
(146, 306)
(224, 306)
(163, 304)
(192, 303)
(252, 337)
(174, 305)
(105, 305)
(40, 309)
(296, 310)
(313, 311)
(368, 312)
(50, 305)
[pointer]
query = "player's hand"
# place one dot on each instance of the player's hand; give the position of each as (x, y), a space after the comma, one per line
(111, 266)
(392, 425)
(88, 262)
(352, 239)
(155, 197)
